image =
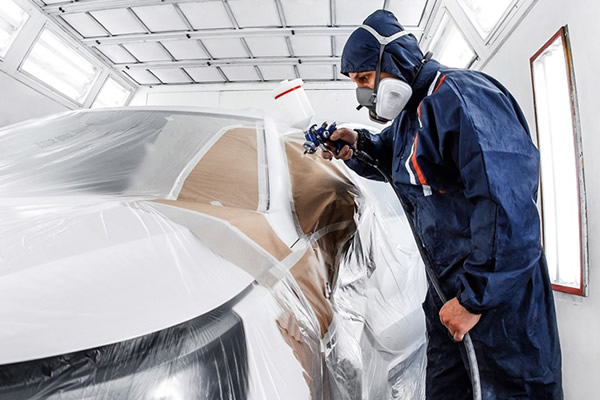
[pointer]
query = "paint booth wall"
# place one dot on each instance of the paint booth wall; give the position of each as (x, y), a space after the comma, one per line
(578, 318)
(329, 105)
(18, 102)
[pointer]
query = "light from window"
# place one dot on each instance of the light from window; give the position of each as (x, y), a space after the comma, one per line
(450, 47)
(12, 19)
(485, 14)
(112, 94)
(559, 164)
(59, 66)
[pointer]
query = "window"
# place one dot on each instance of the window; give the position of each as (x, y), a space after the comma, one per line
(12, 19)
(467, 33)
(57, 65)
(450, 47)
(112, 94)
(562, 189)
(484, 14)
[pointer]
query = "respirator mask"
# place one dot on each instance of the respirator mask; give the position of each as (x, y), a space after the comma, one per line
(389, 97)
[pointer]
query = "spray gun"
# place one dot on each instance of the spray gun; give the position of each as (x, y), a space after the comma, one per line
(293, 104)
(317, 137)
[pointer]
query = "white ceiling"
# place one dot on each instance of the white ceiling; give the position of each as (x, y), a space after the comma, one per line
(158, 42)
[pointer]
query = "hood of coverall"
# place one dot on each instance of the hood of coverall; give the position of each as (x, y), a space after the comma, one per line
(401, 58)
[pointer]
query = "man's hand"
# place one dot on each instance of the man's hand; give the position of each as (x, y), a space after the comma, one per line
(348, 136)
(457, 319)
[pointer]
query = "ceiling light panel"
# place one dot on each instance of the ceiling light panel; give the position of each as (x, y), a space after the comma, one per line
(85, 25)
(185, 49)
(53, 1)
(236, 73)
(147, 51)
(306, 12)
(277, 72)
(112, 94)
(118, 22)
(449, 46)
(311, 45)
(161, 18)
(273, 46)
(116, 54)
(175, 75)
(485, 15)
(12, 19)
(408, 12)
(225, 48)
(206, 15)
(142, 77)
(315, 72)
(354, 12)
(205, 74)
(56, 64)
(255, 13)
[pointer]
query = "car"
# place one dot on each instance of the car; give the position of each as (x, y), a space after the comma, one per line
(182, 253)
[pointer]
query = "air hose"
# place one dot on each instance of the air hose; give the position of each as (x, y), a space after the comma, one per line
(467, 342)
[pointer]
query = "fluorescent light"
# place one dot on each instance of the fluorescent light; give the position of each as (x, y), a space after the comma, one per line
(450, 47)
(61, 67)
(112, 94)
(12, 19)
(560, 195)
(485, 14)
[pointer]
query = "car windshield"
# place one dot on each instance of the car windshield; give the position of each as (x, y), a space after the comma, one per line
(112, 152)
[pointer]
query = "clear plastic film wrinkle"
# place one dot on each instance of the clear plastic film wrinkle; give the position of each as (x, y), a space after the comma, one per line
(374, 345)
(146, 254)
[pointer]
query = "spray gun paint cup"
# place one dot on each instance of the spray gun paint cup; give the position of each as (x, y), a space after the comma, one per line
(293, 104)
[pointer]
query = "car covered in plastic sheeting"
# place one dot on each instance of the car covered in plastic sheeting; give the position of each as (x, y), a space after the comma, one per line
(187, 254)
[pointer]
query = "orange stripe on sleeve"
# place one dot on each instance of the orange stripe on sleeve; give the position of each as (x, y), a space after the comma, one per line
(413, 160)
(440, 84)
(422, 179)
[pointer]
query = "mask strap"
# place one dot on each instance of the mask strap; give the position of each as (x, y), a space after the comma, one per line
(424, 61)
(377, 74)
(383, 41)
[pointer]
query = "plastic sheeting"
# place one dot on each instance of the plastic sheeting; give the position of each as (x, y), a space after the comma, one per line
(146, 254)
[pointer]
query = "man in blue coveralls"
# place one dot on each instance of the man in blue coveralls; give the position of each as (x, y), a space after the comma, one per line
(466, 170)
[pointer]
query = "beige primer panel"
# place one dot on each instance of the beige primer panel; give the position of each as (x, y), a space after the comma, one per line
(233, 155)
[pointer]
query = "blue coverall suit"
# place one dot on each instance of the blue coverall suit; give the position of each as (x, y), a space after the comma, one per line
(463, 161)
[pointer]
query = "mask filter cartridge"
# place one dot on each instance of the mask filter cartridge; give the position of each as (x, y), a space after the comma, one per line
(392, 97)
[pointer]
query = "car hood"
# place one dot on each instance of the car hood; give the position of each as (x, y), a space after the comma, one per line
(99, 273)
